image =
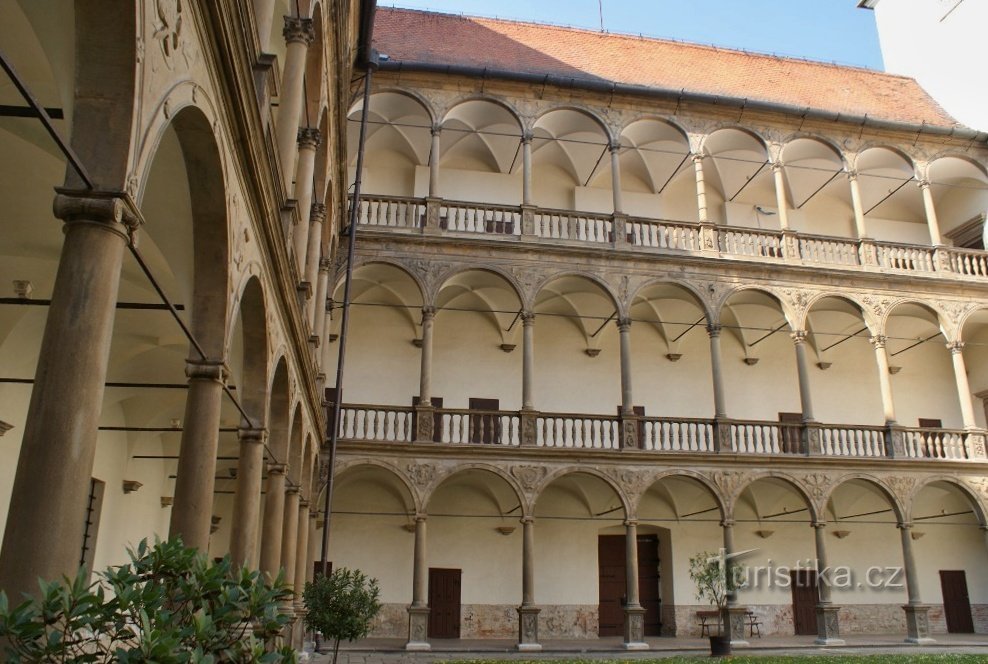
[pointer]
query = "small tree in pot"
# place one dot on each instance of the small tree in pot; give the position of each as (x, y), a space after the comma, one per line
(342, 605)
(716, 577)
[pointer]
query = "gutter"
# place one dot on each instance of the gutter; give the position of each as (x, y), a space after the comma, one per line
(366, 55)
(681, 95)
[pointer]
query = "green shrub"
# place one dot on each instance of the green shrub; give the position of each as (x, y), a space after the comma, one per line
(342, 605)
(170, 604)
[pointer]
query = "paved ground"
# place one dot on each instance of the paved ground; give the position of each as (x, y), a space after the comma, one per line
(391, 651)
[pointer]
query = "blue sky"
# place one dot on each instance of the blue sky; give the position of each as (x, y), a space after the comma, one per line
(830, 30)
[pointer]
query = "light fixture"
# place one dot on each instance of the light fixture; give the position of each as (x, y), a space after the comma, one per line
(176, 423)
(215, 525)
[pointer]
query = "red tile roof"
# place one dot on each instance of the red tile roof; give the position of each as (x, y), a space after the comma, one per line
(411, 36)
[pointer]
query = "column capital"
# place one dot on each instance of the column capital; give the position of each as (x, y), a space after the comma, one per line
(428, 313)
(624, 323)
(714, 329)
(207, 370)
(253, 436)
(526, 137)
(878, 341)
(303, 503)
(778, 165)
(325, 265)
(421, 518)
(904, 526)
(314, 514)
(727, 523)
(317, 214)
(527, 318)
(852, 174)
(277, 468)
(527, 520)
(798, 336)
(631, 522)
(818, 524)
(292, 489)
(697, 158)
(299, 29)
(436, 130)
(923, 184)
(309, 138)
(108, 209)
(955, 347)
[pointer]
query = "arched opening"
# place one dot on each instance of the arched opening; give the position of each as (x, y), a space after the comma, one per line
(960, 197)
(818, 192)
(892, 205)
(740, 187)
(569, 151)
(656, 173)
(480, 153)
(397, 145)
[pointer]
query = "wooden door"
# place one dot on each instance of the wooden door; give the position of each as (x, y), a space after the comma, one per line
(610, 561)
(613, 582)
(956, 603)
(437, 420)
(444, 603)
(485, 428)
(791, 440)
(804, 600)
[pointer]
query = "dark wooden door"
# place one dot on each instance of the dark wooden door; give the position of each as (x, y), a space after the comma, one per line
(804, 600)
(485, 428)
(791, 439)
(613, 581)
(437, 420)
(610, 560)
(956, 603)
(444, 603)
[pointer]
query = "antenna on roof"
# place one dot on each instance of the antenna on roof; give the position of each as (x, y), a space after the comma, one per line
(600, 7)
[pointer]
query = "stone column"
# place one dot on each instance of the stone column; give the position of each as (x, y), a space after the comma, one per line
(308, 141)
(624, 332)
(734, 615)
(720, 406)
(917, 613)
(418, 612)
(827, 623)
(247, 499)
(299, 34)
(45, 521)
(319, 304)
(434, 162)
(615, 149)
(859, 219)
(634, 613)
(526, 161)
(274, 516)
(931, 213)
(528, 360)
(780, 194)
(317, 216)
(956, 349)
(302, 563)
(528, 613)
(425, 374)
(805, 400)
(289, 534)
(192, 510)
(701, 190)
(884, 379)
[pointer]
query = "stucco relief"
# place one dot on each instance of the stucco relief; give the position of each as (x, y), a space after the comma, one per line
(421, 475)
(529, 477)
(633, 482)
(902, 487)
(730, 483)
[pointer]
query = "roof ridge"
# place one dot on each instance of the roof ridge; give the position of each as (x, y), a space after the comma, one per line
(643, 37)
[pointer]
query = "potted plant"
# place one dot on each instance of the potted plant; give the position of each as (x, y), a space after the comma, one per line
(341, 606)
(716, 577)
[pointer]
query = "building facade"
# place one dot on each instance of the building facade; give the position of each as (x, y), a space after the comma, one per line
(160, 365)
(618, 301)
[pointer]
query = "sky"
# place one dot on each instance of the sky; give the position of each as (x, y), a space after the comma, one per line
(828, 30)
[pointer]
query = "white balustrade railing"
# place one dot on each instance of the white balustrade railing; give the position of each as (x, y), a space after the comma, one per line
(478, 427)
(748, 437)
(838, 440)
(663, 234)
(579, 431)
(904, 257)
(388, 211)
(476, 218)
(677, 435)
(390, 424)
(828, 250)
(750, 242)
(935, 444)
(969, 262)
(565, 225)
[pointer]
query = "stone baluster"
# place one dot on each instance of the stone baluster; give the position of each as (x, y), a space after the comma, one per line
(299, 34)
(247, 498)
(54, 468)
(192, 510)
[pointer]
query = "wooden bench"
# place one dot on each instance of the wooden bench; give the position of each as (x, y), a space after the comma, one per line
(708, 619)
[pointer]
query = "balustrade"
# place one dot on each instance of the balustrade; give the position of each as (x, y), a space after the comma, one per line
(828, 250)
(904, 257)
(566, 225)
(477, 218)
(392, 424)
(852, 441)
(969, 262)
(751, 437)
(750, 242)
(674, 435)
(664, 234)
(580, 431)
(935, 443)
(390, 212)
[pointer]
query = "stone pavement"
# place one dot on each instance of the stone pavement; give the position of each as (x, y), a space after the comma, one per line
(390, 651)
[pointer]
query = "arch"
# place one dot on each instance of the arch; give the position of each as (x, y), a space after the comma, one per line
(979, 508)
(874, 482)
(698, 478)
(924, 306)
(704, 147)
(595, 297)
(315, 71)
(295, 441)
(651, 303)
(383, 285)
(870, 149)
(592, 472)
(872, 323)
(826, 141)
(411, 496)
(790, 482)
(484, 131)
(251, 309)
(480, 467)
(571, 135)
(656, 152)
(278, 414)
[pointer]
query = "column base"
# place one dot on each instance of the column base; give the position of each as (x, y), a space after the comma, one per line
(736, 618)
(634, 628)
(918, 624)
(828, 625)
(528, 629)
(418, 624)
